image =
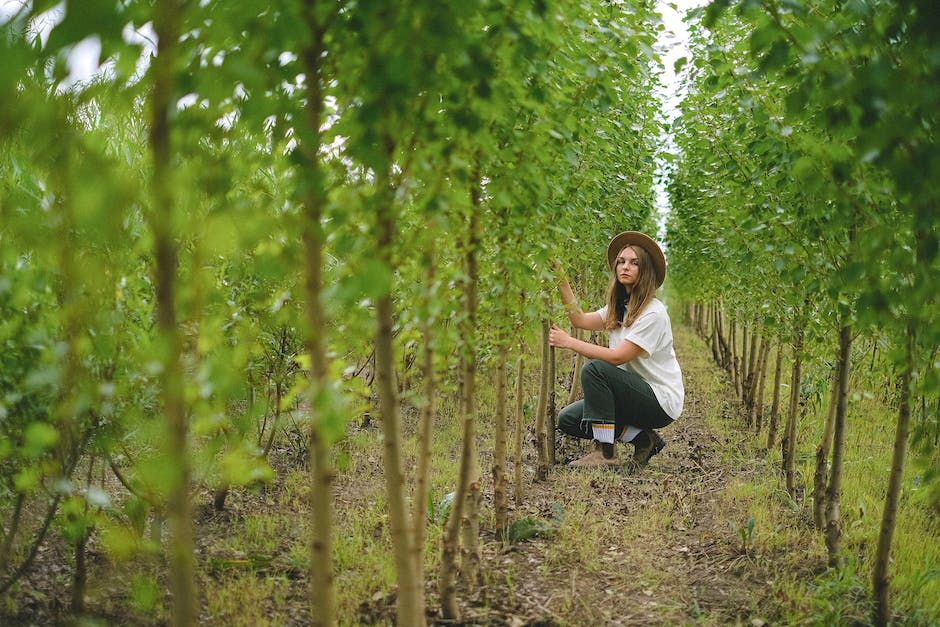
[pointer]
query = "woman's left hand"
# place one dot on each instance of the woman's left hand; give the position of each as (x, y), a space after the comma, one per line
(558, 338)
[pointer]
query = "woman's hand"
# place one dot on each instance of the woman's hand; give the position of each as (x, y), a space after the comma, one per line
(558, 338)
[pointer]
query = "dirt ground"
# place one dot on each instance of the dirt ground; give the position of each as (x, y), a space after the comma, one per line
(656, 546)
(659, 546)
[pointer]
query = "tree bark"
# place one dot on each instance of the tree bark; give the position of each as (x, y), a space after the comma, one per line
(789, 438)
(881, 581)
(745, 335)
(540, 435)
(472, 558)
(520, 418)
(757, 406)
(410, 606)
(751, 375)
(550, 420)
(734, 359)
(834, 491)
(182, 567)
(821, 475)
(313, 200)
(775, 406)
(426, 424)
(500, 477)
(574, 392)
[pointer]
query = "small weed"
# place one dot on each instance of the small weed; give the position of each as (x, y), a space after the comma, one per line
(746, 533)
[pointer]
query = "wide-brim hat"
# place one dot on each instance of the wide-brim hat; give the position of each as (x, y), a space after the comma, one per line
(635, 238)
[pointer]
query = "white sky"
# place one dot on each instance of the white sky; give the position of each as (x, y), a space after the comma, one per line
(672, 46)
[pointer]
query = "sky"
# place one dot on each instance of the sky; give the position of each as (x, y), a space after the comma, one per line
(672, 46)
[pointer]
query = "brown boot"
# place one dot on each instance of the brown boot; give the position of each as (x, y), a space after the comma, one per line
(646, 444)
(602, 455)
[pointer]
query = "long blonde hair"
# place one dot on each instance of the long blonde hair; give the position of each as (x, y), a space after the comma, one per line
(642, 294)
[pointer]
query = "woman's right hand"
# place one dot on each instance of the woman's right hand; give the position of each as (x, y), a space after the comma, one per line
(558, 338)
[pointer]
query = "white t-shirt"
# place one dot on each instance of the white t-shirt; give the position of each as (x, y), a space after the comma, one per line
(652, 332)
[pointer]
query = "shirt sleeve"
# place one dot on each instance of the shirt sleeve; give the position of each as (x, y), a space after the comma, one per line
(602, 312)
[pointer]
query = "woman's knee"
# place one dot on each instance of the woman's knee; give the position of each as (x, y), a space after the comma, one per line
(569, 418)
(595, 369)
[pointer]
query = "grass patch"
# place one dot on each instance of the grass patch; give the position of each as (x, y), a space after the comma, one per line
(783, 526)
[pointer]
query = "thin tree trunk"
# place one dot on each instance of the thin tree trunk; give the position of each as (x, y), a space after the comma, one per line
(821, 475)
(834, 491)
(500, 477)
(182, 567)
(757, 407)
(751, 376)
(313, 198)
(540, 435)
(520, 418)
(574, 392)
(471, 524)
(550, 420)
(410, 606)
(468, 481)
(775, 406)
(789, 438)
(7, 547)
(716, 326)
(735, 359)
(80, 574)
(426, 424)
(745, 336)
(881, 581)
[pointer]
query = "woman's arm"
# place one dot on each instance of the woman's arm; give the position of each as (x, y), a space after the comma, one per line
(625, 352)
(579, 319)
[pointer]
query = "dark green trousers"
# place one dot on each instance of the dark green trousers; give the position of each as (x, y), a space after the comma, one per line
(612, 393)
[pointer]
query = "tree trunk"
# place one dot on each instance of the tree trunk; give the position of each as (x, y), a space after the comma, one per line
(467, 493)
(520, 418)
(550, 421)
(471, 523)
(751, 375)
(775, 406)
(735, 359)
(410, 606)
(426, 424)
(182, 567)
(742, 374)
(757, 406)
(540, 435)
(834, 491)
(789, 438)
(313, 199)
(881, 581)
(500, 477)
(574, 392)
(716, 352)
(821, 475)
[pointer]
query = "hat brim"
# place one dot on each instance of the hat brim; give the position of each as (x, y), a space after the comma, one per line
(635, 238)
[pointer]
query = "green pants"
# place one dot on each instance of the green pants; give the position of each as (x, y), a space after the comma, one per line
(612, 393)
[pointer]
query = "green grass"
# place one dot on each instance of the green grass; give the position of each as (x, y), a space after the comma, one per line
(783, 526)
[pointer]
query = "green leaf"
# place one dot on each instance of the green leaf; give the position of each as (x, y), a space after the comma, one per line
(38, 438)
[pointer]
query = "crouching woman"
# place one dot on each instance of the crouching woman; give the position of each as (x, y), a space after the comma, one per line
(633, 386)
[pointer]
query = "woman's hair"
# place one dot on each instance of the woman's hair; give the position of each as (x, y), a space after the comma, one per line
(623, 312)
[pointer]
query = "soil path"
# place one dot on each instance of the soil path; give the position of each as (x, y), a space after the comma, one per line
(661, 546)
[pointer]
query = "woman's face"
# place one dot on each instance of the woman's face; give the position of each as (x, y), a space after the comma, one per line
(627, 268)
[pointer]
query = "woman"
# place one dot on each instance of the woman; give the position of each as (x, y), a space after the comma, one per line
(635, 385)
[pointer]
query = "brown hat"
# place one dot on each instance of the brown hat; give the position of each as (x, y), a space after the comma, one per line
(635, 238)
